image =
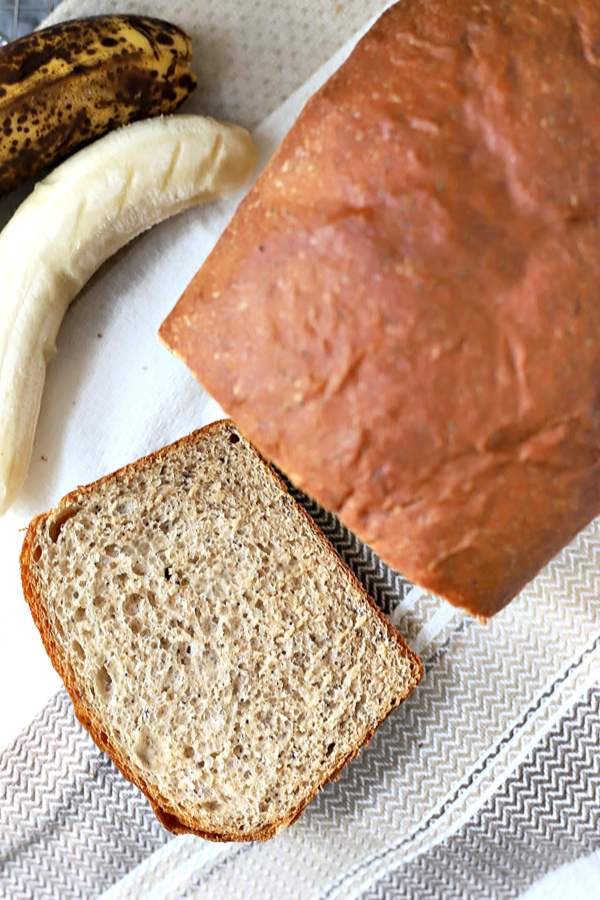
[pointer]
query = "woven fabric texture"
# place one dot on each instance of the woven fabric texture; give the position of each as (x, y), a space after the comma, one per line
(546, 815)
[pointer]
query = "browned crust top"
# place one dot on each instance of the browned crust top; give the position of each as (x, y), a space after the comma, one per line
(403, 313)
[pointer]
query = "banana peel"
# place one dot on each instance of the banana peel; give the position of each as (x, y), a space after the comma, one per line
(66, 85)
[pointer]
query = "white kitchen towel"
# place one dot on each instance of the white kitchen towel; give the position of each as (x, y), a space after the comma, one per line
(73, 827)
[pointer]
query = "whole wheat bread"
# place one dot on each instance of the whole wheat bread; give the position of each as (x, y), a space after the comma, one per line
(403, 313)
(212, 641)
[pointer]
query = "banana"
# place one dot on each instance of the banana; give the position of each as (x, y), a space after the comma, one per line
(83, 212)
(65, 85)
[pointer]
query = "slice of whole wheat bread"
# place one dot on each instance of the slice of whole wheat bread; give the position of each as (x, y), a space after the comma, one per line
(212, 641)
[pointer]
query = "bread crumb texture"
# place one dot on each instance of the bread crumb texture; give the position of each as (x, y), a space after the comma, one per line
(229, 661)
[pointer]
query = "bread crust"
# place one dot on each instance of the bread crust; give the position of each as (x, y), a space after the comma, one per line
(402, 313)
(170, 818)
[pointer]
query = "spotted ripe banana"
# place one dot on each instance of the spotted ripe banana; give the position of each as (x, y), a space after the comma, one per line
(68, 84)
(83, 212)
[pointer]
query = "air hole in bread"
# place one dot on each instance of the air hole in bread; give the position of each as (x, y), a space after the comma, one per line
(234, 438)
(188, 752)
(37, 553)
(78, 650)
(80, 614)
(147, 749)
(98, 601)
(330, 749)
(139, 567)
(131, 606)
(207, 625)
(112, 550)
(62, 516)
(210, 660)
(103, 683)
(184, 654)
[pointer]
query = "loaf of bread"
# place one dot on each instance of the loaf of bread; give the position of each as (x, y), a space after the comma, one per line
(403, 313)
(212, 641)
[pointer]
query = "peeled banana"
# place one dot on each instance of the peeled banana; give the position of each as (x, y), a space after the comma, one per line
(82, 213)
(68, 84)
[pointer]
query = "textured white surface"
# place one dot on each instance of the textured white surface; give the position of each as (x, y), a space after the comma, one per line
(577, 881)
(249, 56)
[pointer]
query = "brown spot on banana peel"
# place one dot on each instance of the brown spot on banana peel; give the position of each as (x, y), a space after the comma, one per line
(66, 85)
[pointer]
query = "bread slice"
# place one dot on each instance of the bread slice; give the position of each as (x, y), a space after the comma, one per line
(212, 641)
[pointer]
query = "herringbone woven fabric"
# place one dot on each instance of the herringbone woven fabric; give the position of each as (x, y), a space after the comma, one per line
(547, 814)
(69, 823)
